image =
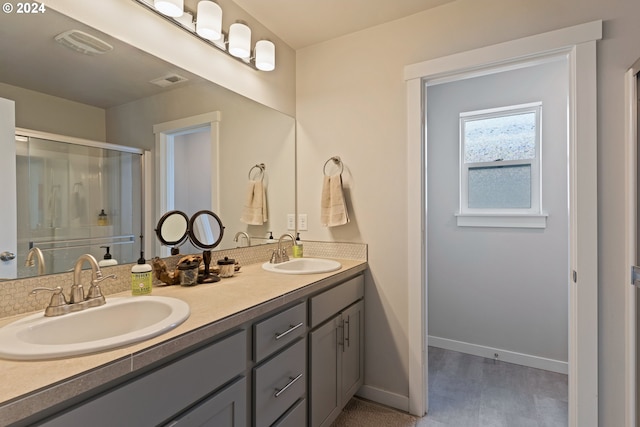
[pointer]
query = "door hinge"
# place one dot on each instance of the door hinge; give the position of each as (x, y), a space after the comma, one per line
(575, 276)
(635, 275)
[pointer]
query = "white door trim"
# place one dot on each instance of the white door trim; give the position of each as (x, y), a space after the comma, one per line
(630, 312)
(157, 179)
(579, 45)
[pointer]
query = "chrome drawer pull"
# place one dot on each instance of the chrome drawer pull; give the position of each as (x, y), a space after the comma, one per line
(291, 329)
(289, 384)
(347, 331)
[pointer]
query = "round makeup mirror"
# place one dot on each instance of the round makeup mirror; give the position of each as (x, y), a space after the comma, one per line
(173, 230)
(205, 230)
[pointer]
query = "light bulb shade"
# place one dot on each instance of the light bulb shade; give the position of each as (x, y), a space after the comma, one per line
(265, 55)
(172, 8)
(209, 24)
(239, 40)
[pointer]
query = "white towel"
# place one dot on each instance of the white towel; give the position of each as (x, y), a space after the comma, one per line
(254, 211)
(333, 209)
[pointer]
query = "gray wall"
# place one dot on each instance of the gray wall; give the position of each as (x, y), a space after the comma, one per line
(504, 288)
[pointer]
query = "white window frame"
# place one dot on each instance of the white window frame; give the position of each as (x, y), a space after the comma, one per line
(531, 217)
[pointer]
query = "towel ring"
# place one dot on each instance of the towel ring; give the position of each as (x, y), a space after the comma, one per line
(261, 167)
(336, 160)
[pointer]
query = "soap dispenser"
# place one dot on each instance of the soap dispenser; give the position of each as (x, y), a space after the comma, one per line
(107, 260)
(141, 277)
(297, 247)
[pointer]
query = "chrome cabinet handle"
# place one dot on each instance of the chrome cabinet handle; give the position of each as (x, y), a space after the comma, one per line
(288, 331)
(347, 331)
(289, 384)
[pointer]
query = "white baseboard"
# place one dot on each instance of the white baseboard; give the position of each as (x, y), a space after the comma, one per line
(504, 355)
(384, 397)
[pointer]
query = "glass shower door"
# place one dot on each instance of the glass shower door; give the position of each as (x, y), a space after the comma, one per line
(75, 199)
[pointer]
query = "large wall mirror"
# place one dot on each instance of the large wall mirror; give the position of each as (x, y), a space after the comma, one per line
(112, 97)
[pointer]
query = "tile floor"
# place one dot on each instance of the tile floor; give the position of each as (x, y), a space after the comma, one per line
(467, 390)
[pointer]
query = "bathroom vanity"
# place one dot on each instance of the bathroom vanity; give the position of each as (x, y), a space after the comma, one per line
(259, 349)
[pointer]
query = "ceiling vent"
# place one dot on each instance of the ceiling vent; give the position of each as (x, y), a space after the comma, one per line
(169, 80)
(83, 42)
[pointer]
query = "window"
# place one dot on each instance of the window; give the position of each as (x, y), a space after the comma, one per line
(500, 175)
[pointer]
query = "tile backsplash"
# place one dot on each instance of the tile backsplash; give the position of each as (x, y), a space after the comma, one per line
(15, 298)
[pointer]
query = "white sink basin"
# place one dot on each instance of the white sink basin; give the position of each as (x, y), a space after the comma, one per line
(119, 322)
(303, 266)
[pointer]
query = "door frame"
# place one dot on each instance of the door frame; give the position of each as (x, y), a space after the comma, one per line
(157, 178)
(578, 43)
(631, 212)
(8, 192)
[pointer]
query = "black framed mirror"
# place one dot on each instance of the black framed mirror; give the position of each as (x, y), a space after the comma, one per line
(173, 230)
(206, 231)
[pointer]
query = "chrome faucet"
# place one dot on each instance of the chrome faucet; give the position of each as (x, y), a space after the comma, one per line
(29, 262)
(77, 300)
(242, 233)
(280, 255)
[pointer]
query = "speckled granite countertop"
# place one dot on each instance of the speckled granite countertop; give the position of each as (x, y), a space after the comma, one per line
(28, 387)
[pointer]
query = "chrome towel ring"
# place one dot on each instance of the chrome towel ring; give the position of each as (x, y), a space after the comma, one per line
(336, 160)
(261, 167)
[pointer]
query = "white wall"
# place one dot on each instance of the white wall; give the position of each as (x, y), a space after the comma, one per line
(351, 102)
(504, 288)
(46, 113)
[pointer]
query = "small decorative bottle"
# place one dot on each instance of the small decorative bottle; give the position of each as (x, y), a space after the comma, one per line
(102, 218)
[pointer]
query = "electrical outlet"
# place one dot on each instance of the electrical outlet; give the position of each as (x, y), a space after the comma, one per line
(302, 222)
(291, 221)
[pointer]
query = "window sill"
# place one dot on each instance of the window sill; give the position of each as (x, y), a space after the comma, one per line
(502, 220)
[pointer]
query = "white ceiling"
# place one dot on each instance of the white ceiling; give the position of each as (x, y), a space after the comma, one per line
(31, 59)
(301, 23)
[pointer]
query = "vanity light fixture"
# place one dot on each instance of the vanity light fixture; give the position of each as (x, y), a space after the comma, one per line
(206, 24)
(265, 55)
(240, 40)
(172, 8)
(209, 24)
(186, 20)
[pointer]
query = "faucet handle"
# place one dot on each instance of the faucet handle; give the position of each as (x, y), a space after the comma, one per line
(57, 299)
(101, 278)
(94, 289)
(274, 257)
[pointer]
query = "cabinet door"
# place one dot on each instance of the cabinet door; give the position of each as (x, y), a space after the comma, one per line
(226, 408)
(352, 348)
(324, 396)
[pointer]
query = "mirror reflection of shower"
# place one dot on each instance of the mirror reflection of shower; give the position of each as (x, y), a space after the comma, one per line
(75, 196)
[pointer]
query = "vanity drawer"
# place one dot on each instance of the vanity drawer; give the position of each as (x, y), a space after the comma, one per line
(328, 303)
(295, 417)
(278, 331)
(279, 383)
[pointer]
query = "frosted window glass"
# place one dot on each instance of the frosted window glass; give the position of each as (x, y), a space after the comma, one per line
(510, 137)
(501, 187)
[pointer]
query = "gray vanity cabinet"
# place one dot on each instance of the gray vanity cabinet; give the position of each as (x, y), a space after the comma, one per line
(335, 350)
(225, 408)
(206, 384)
(280, 378)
